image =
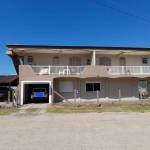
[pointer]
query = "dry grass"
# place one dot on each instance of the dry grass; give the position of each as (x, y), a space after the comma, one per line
(8, 111)
(103, 108)
(91, 108)
(32, 110)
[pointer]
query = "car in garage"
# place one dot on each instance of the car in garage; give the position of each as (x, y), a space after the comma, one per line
(39, 93)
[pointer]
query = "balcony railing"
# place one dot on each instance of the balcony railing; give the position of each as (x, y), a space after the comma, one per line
(76, 70)
(127, 70)
(58, 70)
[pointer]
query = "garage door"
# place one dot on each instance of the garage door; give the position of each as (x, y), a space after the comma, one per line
(27, 88)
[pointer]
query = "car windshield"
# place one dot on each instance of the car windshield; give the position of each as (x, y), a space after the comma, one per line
(39, 90)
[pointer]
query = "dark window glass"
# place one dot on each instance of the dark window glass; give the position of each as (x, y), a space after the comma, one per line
(89, 86)
(92, 87)
(96, 86)
(30, 59)
(39, 90)
(144, 60)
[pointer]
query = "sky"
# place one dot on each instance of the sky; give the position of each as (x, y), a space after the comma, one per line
(72, 23)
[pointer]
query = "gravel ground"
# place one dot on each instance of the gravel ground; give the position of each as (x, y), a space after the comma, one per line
(90, 131)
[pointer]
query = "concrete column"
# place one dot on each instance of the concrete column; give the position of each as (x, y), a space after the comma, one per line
(93, 59)
(52, 90)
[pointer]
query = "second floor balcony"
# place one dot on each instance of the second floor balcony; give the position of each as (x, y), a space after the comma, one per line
(128, 70)
(77, 70)
(58, 70)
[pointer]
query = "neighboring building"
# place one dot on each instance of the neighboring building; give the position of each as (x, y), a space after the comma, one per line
(7, 84)
(84, 68)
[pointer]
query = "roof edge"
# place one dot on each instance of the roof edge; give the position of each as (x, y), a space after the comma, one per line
(75, 47)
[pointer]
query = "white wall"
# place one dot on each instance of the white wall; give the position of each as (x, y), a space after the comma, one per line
(131, 60)
(47, 59)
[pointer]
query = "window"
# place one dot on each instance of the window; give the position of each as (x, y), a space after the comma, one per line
(105, 61)
(92, 86)
(144, 60)
(75, 61)
(30, 59)
(65, 87)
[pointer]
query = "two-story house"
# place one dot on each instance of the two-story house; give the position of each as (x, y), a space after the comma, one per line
(83, 68)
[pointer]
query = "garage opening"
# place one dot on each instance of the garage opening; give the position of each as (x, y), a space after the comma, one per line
(35, 92)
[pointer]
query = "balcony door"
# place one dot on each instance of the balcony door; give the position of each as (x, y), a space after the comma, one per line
(56, 61)
(55, 68)
(122, 61)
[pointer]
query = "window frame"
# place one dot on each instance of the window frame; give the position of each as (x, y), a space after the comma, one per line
(144, 60)
(104, 60)
(76, 57)
(93, 85)
(30, 58)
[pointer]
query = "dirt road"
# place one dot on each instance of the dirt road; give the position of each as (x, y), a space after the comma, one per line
(90, 131)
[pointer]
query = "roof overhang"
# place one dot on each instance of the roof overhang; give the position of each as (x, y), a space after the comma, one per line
(11, 80)
(21, 50)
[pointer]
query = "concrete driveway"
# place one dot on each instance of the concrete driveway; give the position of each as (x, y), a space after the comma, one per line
(34, 105)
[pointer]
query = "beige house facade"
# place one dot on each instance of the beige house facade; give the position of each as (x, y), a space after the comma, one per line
(84, 71)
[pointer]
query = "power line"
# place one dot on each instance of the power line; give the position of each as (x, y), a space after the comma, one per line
(120, 11)
(122, 6)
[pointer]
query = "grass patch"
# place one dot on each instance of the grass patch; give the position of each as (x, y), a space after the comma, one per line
(103, 108)
(32, 110)
(8, 111)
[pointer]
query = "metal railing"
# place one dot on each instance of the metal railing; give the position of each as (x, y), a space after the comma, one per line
(58, 70)
(127, 70)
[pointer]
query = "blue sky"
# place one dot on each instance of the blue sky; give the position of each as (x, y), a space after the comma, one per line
(71, 22)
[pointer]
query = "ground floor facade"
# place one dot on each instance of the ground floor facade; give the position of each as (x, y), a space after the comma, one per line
(108, 89)
(82, 89)
(94, 83)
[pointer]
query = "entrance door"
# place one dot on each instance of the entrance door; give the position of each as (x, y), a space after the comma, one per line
(55, 68)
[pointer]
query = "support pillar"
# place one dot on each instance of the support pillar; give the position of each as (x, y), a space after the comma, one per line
(13, 104)
(9, 94)
(93, 58)
(52, 90)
